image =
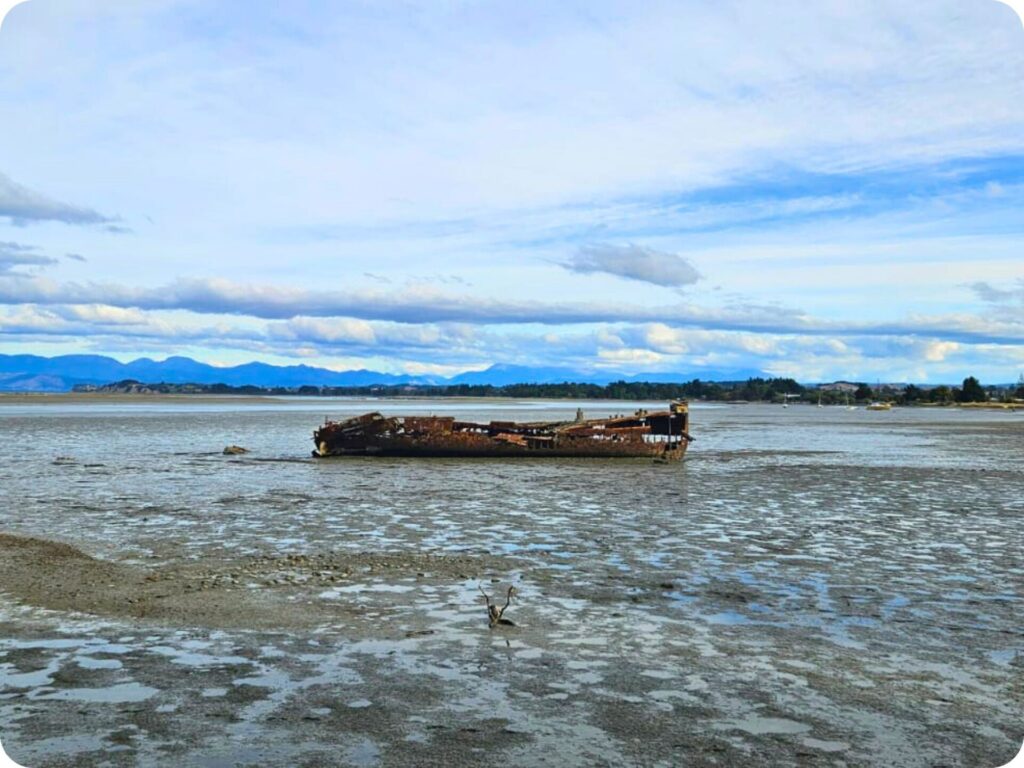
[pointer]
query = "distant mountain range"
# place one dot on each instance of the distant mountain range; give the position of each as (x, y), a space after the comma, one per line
(31, 373)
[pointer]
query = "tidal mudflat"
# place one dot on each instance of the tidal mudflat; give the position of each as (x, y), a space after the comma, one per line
(810, 587)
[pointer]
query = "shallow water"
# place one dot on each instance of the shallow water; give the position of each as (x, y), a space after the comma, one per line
(809, 584)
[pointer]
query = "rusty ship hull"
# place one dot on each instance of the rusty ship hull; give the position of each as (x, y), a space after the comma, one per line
(660, 435)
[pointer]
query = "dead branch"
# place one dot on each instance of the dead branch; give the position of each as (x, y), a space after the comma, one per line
(495, 614)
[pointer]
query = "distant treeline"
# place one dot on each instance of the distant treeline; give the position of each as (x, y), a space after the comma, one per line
(757, 389)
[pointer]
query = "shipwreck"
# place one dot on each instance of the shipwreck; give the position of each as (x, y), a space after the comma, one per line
(660, 435)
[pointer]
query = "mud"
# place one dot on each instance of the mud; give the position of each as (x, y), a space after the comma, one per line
(808, 588)
(266, 592)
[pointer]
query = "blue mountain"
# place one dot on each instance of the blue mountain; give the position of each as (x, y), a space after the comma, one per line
(31, 373)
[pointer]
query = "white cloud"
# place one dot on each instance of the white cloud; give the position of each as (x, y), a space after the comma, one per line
(21, 205)
(635, 263)
(662, 338)
(350, 331)
(332, 331)
(15, 255)
(100, 314)
(482, 112)
(641, 358)
(937, 351)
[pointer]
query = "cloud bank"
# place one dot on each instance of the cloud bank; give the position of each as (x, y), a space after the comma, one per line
(419, 306)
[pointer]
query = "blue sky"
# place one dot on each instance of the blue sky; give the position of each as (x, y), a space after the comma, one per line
(827, 190)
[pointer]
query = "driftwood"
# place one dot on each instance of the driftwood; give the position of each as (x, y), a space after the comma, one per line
(496, 614)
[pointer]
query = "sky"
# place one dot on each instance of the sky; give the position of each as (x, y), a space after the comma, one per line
(826, 190)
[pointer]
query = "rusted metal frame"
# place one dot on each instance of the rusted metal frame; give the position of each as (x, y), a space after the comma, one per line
(429, 434)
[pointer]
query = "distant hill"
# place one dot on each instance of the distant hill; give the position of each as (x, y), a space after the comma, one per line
(31, 373)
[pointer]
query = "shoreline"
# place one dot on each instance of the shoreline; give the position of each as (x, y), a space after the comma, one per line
(63, 398)
(53, 398)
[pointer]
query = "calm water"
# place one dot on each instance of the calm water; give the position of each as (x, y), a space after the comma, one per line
(838, 582)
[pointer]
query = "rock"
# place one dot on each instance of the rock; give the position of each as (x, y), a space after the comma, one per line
(235, 450)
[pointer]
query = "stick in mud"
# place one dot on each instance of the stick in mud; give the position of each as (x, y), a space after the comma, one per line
(495, 615)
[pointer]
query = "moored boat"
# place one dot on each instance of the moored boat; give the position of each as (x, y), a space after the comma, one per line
(644, 434)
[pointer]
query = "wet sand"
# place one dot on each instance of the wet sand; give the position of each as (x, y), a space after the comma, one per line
(836, 593)
(253, 593)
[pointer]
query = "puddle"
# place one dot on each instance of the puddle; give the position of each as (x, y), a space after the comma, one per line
(364, 754)
(826, 746)
(759, 726)
(122, 693)
(89, 662)
(1004, 658)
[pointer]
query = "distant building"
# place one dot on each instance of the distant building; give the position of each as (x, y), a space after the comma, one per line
(839, 386)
